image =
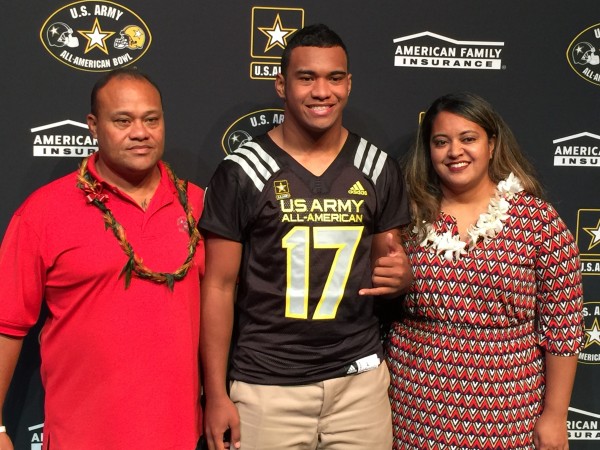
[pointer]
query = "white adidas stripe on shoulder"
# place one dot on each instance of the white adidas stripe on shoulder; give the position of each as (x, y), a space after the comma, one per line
(263, 165)
(374, 161)
(264, 155)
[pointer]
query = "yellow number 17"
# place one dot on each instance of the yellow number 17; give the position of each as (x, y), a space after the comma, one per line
(297, 244)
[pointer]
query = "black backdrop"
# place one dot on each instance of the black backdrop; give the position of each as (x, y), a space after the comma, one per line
(214, 60)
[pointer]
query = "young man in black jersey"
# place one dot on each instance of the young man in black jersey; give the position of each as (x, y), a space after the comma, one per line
(306, 217)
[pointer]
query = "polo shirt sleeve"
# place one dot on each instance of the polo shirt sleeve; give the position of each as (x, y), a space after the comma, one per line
(23, 277)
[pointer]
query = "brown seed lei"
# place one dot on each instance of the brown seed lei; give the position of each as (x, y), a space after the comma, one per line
(94, 195)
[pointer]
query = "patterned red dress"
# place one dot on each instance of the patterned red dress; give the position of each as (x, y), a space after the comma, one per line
(467, 359)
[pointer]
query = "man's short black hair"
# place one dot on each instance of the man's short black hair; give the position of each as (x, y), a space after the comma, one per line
(122, 72)
(317, 35)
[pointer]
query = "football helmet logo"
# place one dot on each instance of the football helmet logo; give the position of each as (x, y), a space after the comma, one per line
(59, 34)
(237, 139)
(585, 53)
(132, 37)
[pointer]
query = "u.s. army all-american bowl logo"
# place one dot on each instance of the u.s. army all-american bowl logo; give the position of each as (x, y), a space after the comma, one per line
(250, 125)
(583, 54)
(95, 36)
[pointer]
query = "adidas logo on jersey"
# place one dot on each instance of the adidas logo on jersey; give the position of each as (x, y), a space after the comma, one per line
(357, 189)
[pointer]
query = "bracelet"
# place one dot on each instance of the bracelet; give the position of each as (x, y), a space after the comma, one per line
(2, 429)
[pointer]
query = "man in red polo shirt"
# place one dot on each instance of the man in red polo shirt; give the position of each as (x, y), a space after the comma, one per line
(113, 251)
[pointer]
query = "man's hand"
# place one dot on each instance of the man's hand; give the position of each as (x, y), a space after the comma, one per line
(219, 416)
(5, 442)
(392, 274)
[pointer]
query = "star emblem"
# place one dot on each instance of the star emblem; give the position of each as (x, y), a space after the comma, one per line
(592, 334)
(277, 34)
(96, 37)
(281, 187)
(594, 233)
(578, 49)
(54, 30)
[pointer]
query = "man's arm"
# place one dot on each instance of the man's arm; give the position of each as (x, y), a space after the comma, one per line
(10, 348)
(222, 257)
(392, 274)
(550, 430)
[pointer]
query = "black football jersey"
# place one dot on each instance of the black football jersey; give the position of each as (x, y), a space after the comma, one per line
(306, 253)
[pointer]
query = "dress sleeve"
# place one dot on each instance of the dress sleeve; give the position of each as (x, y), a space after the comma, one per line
(559, 287)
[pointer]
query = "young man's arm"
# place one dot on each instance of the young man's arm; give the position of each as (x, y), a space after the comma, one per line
(222, 257)
(392, 274)
(10, 348)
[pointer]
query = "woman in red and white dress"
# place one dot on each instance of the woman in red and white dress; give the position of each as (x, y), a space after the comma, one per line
(484, 356)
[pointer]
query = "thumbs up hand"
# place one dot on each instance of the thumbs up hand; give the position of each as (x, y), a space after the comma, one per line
(392, 274)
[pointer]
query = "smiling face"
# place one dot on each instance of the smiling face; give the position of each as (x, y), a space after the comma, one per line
(460, 153)
(315, 89)
(130, 130)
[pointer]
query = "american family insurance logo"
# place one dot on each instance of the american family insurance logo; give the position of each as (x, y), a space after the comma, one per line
(270, 31)
(583, 425)
(37, 436)
(95, 36)
(433, 51)
(63, 139)
(579, 150)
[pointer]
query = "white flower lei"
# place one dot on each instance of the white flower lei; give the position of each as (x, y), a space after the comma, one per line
(487, 227)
